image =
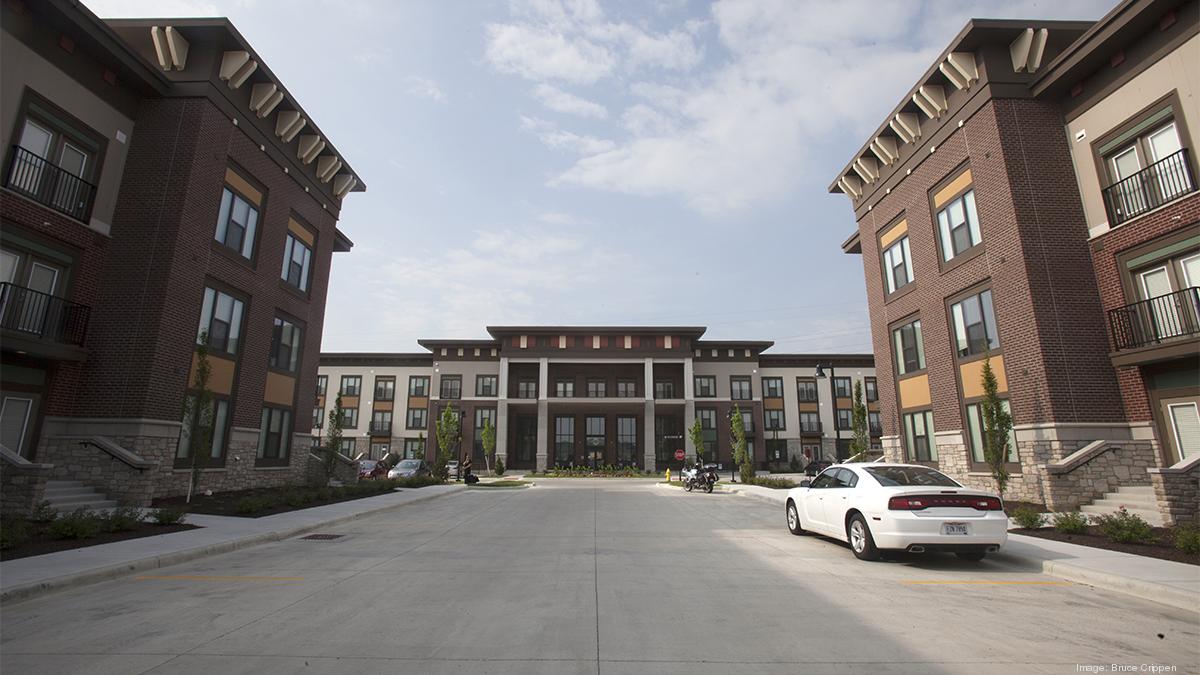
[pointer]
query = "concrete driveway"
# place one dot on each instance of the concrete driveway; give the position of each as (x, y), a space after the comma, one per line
(585, 576)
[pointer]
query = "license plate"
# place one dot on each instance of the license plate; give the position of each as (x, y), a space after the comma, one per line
(954, 528)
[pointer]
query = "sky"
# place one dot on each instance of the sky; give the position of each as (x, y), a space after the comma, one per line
(577, 162)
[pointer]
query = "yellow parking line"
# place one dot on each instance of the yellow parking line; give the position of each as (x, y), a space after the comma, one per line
(987, 582)
(181, 577)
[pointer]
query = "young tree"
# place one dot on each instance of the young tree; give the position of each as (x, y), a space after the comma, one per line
(861, 444)
(198, 411)
(741, 456)
(333, 438)
(488, 437)
(447, 437)
(696, 433)
(997, 425)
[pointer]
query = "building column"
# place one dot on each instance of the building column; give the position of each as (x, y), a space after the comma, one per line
(543, 409)
(689, 408)
(648, 433)
(502, 413)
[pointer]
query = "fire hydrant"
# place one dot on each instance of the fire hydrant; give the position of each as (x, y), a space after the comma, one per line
(668, 475)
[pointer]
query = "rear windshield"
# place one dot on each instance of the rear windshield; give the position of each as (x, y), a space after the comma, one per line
(910, 475)
(409, 464)
(367, 463)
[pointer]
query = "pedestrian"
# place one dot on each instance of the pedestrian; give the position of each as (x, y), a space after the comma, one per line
(465, 467)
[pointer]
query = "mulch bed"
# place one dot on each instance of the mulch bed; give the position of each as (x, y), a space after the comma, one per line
(1163, 549)
(41, 541)
(226, 503)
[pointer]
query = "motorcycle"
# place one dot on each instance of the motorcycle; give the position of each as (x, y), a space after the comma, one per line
(700, 477)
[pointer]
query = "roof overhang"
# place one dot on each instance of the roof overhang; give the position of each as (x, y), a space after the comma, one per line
(686, 331)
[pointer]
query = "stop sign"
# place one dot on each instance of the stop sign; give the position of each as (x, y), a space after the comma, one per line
(679, 454)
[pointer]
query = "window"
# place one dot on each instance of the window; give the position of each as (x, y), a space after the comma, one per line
(322, 384)
(483, 417)
(486, 385)
(347, 447)
(842, 387)
(214, 420)
(55, 162)
(381, 422)
(527, 389)
(748, 422)
(845, 418)
(564, 388)
(918, 436)
(958, 226)
(897, 265)
(909, 348)
(810, 422)
(564, 441)
(975, 433)
(452, 386)
(874, 422)
(892, 476)
(318, 418)
(379, 450)
(806, 390)
(597, 389)
(385, 388)
(974, 324)
(772, 387)
(708, 428)
(1145, 165)
(351, 385)
(350, 418)
(236, 223)
(221, 320)
(413, 448)
(417, 418)
(594, 440)
(870, 391)
(418, 385)
(706, 386)
(274, 437)
(739, 388)
(627, 441)
(626, 388)
(285, 345)
(664, 389)
(297, 257)
(773, 420)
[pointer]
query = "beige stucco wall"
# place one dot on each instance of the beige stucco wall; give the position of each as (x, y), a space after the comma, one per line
(366, 400)
(1177, 71)
(792, 410)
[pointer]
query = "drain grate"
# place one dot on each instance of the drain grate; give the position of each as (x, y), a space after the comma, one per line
(323, 537)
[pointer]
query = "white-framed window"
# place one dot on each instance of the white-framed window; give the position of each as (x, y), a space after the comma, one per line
(297, 258)
(975, 433)
(974, 324)
(897, 265)
(958, 226)
(285, 345)
(237, 223)
(221, 320)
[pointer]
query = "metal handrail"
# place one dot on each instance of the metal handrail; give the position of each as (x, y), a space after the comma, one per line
(46, 316)
(381, 427)
(50, 185)
(1163, 181)
(1149, 322)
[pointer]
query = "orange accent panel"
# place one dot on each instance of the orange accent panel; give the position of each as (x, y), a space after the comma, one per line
(220, 379)
(914, 392)
(243, 186)
(898, 230)
(957, 185)
(281, 389)
(302, 233)
(972, 377)
(772, 404)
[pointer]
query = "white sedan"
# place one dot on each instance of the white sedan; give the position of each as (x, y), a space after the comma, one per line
(906, 507)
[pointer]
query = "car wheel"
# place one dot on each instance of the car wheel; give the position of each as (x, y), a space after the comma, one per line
(972, 556)
(793, 519)
(861, 541)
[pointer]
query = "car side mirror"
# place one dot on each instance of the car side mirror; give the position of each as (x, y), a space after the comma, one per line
(805, 483)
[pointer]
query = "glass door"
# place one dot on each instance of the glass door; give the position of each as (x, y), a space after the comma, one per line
(16, 411)
(1130, 195)
(1183, 418)
(1162, 313)
(594, 441)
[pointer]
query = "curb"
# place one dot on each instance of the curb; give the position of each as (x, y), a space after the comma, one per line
(37, 589)
(1146, 590)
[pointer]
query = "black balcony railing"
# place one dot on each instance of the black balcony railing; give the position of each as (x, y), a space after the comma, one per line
(1152, 321)
(47, 184)
(46, 316)
(876, 429)
(810, 427)
(381, 428)
(1163, 181)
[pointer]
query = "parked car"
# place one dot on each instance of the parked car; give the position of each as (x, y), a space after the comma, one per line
(816, 466)
(407, 468)
(367, 467)
(452, 469)
(901, 507)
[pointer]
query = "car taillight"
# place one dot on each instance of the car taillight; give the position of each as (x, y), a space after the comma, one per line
(919, 502)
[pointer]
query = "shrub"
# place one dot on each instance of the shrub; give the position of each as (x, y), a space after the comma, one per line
(324, 494)
(775, 483)
(1071, 523)
(1028, 518)
(1187, 539)
(1125, 528)
(169, 515)
(79, 524)
(499, 466)
(295, 498)
(417, 481)
(42, 512)
(248, 505)
(794, 464)
(123, 519)
(13, 533)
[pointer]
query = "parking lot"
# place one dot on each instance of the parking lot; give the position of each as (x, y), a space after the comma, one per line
(586, 576)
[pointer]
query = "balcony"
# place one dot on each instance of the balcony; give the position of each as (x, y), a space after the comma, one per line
(1163, 181)
(810, 428)
(876, 429)
(1156, 328)
(381, 428)
(49, 185)
(33, 320)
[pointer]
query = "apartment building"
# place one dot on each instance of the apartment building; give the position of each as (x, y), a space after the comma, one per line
(161, 186)
(1003, 214)
(600, 395)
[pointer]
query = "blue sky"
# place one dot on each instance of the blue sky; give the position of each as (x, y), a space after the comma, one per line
(583, 162)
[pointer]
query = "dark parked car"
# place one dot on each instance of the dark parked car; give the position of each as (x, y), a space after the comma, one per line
(816, 466)
(371, 468)
(407, 468)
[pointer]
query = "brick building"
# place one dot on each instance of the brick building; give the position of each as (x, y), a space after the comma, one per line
(601, 395)
(976, 244)
(160, 186)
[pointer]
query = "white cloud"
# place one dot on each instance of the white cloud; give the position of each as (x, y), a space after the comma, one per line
(539, 53)
(423, 87)
(560, 101)
(557, 139)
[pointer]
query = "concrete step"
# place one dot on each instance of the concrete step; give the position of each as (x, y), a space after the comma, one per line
(1136, 490)
(1150, 516)
(64, 483)
(1138, 502)
(90, 505)
(53, 492)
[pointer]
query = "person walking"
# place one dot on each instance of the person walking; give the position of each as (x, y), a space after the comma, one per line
(464, 468)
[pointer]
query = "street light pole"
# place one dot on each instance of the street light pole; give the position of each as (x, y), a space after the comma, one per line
(837, 429)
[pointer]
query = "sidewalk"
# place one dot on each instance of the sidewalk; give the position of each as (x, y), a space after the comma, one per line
(24, 578)
(1162, 581)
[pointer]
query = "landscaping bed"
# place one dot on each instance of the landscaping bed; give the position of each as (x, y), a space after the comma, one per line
(503, 485)
(586, 472)
(21, 538)
(259, 502)
(1162, 545)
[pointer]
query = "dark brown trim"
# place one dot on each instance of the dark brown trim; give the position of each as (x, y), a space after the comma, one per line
(1122, 258)
(1185, 140)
